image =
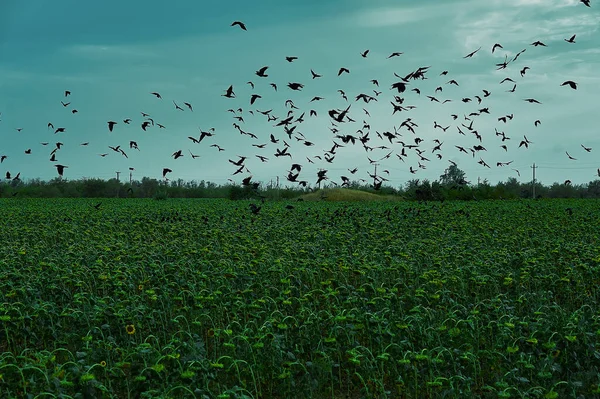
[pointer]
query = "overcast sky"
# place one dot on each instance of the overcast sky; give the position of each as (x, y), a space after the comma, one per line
(112, 54)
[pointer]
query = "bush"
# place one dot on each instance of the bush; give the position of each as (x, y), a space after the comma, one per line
(161, 195)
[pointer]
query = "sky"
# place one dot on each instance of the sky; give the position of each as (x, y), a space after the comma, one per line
(112, 55)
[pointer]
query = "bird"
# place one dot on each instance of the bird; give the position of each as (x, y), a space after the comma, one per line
(291, 59)
(156, 94)
(571, 39)
(111, 124)
(471, 54)
(497, 45)
(254, 97)
(261, 72)
(240, 24)
(570, 157)
(570, 83)
(364, 53)
(585, 2)
(60, 169)
(229, 92)
(165, 171)
(296, 86)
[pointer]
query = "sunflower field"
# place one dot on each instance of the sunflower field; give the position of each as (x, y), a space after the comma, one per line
(184, 298)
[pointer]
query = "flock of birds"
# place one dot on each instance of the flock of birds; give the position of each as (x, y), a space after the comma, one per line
(392, 143)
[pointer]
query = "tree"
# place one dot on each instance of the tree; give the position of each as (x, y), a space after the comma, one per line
(453, 176)
(593, 189)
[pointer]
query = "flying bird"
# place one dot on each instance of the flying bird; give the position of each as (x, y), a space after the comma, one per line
(471, 54)
(229, 92)
(570, 83)
(60, 169)
(261, 72)
(342, 70)
(240, 24)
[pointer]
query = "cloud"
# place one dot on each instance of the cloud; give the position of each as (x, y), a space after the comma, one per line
(392, 16)
(96, 51)
(515, 22)
(537, 3)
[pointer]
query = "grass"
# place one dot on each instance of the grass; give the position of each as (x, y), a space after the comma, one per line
(346, 194)
(203, 299)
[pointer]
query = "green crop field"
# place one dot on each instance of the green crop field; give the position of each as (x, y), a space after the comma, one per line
(204, 299)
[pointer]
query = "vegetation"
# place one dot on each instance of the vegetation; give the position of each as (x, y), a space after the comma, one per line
(346, 194)
(452, 185)
(205, 299)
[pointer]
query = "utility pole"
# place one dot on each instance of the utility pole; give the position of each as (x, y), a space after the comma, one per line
(118, 173)
(478, 181)
(375, 174)
(130, 177)
(533, 188)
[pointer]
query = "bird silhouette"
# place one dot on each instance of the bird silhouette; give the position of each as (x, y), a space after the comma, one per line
(60, 169)
(240, 24)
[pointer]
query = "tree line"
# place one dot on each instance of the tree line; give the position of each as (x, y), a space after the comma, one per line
(452, 185)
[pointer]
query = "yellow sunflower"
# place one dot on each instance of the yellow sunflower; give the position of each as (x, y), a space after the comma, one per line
(130, 329)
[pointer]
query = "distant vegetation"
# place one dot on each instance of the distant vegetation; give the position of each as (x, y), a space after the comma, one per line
(452, 185)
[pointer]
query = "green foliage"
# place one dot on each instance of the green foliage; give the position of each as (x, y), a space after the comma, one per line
(201, 298)
(451, 186)
(161, 195)
(453, 176)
